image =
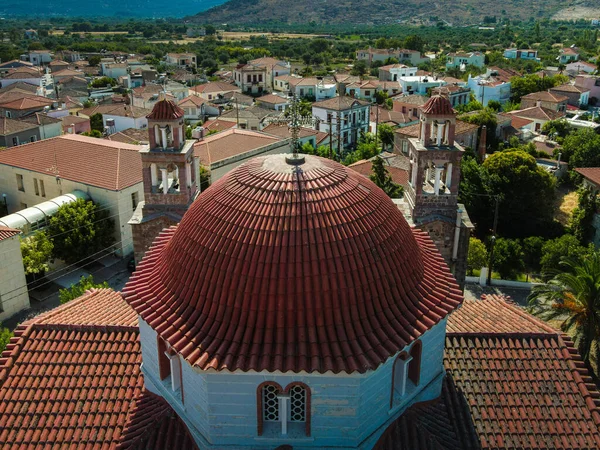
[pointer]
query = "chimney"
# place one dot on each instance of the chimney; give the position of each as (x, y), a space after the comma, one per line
(538, 103)
(482, 143)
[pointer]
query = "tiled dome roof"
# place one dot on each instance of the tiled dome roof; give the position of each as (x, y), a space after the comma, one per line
(166, 110)
(277, 269)
(438, 105)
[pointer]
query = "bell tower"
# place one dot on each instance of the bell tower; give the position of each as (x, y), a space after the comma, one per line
(169, 175)
(432, 193)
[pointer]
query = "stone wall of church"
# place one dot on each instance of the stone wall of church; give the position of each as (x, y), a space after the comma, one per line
(144, 234)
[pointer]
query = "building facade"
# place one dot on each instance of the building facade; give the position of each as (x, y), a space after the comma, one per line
(347, 118)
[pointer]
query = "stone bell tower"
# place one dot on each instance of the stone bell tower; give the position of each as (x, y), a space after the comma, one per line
(432, 194)
(170, 178)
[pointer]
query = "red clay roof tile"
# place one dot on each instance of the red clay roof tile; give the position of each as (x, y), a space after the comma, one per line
(439, 106)
(287, 248)
(6, 232)
(165, 110)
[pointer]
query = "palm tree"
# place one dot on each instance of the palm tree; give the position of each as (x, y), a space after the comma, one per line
(573, 296)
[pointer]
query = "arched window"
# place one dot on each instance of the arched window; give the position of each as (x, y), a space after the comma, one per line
(414, 366)
(283, 411)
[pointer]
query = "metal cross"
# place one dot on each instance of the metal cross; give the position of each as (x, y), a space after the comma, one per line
(294, 120)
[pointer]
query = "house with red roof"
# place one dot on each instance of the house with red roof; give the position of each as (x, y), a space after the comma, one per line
(109, 172)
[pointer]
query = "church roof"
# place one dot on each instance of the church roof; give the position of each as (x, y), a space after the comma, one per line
(71, 378)
(275, 269)
(512, 382)
(438, 105)
(165, 110)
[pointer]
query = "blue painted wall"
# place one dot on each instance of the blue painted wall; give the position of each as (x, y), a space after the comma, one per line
(348, 411)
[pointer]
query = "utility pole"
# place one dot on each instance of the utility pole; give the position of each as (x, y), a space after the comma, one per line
(237, 113)
(376, 123)
(489, 275)
(339, 133)
(330, 140)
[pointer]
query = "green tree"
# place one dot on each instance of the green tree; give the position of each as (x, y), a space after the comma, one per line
(583, 215)
(508, 258)
(532, 253)
(79, 288)
(5, 335)
(582, 149)
(557, 128)
(80, 229)
(484, 117)
(526, 192)
(94, 60)
(97, 122)
(386, 135)
(478, 255)
(359, 69)
(36, 251)
(204, 177)
(573, 297)
(382, 178)
(555, 249)
(495, 105)
(92, 133)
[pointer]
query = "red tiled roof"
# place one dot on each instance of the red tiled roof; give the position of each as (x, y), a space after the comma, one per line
(512, 382)
(165, 110)
(438, 105)
(218, 125)
(27, 102)
(287, 247)
(591, 173)
(519, 122)
(97, 162)
(546, 96)
(365, 168)
(194, 100)
(71, 378)
(6, 232)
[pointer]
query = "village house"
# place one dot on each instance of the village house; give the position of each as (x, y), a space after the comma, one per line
(13, 285)
(37, 57)
(546, 99)
(22, 105)
(458, 95)
(258, 76)
(370, 55)
(272, 101)
(348, 118)
(182, 60)
(591, 83)
(5, 67)
(48, 126)
(461, 60)
(409, 104)
(57, 65)
(538, 114)
(391, 72)
(73, 124)
(305, 135)
(217, 125)
(529, 54)
(16, 132)
(27, 75)
(489, 87)
(381, 115)
(420, 84)
(253, 118)
(109, 172)
(118, 117)
(397, 166)
(222, 152)
(577, 67)
(366, 90)
(194, 107)
(314, 88)
(567, 55)
(577, 96)
(213, 90)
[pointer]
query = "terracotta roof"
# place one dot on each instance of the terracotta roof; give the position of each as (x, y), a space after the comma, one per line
(20, 86)
(71, 119)
(438, 105)
(273, 99)
(283, 131)
(192, 100)
(292, 244)
(591, 173)
(519, 122)
(545, 96)
(22, 73)
(218, 125)
(569, 88)
(412, 131)
(537, 112)
(120, 110)
(40, 119)
(399, 174)
(253, 112)
(229, 143)
(339, 103)
(12, 126)
(83, 159)
(215, 86)
(266, 61)
(71, 378)
(413, 99)
(25, 102)
(165, 110)
(387, 116)
(6, 232)
(512, 382)
(463, 127)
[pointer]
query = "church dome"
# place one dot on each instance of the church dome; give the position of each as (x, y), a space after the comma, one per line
(283, 267)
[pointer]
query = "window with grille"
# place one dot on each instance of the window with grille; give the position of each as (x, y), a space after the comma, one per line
(270, 403)
(297, 404)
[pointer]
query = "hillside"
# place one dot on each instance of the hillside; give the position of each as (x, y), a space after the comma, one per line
(373, 12)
